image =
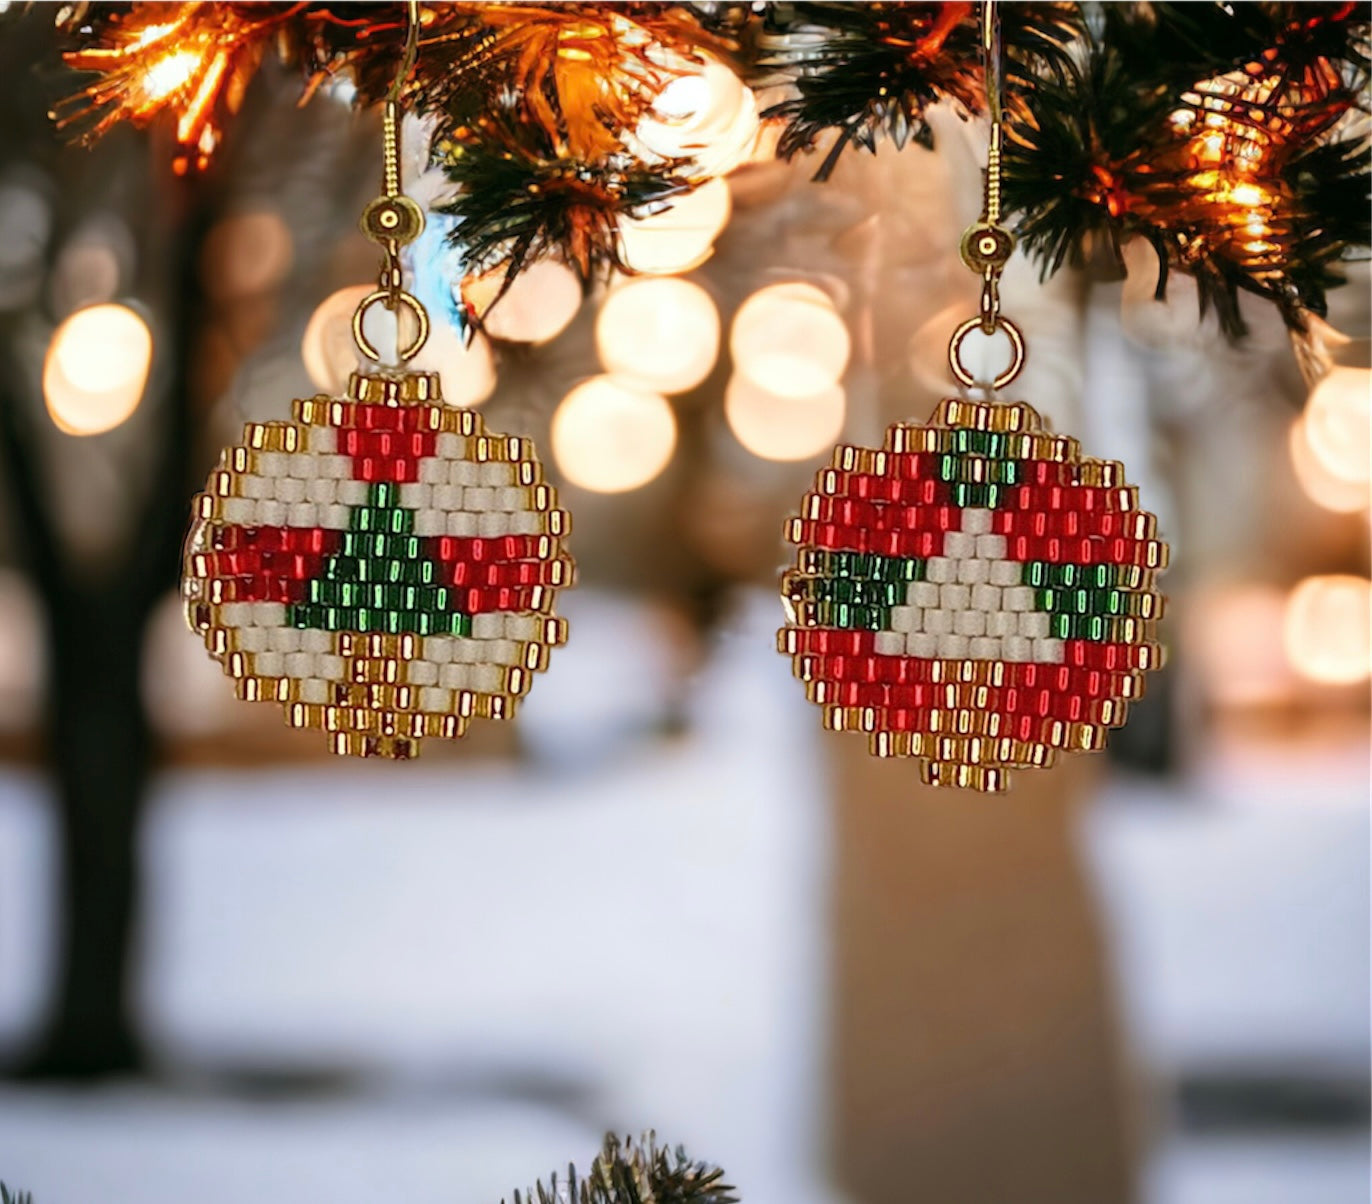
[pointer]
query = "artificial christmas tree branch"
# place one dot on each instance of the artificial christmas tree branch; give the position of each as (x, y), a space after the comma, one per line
(1220, 133)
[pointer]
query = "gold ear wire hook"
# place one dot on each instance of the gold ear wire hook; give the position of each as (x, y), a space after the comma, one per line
(393, 219)
(987, 245)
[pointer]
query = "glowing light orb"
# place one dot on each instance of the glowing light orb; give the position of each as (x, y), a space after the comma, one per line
(538, 306)
(611, 435)
(784, 428)
(1328, 629)
(1338, 420)
(663, 333)
(96, 369)
(680, 237)
(1319, 484)
(789, 340)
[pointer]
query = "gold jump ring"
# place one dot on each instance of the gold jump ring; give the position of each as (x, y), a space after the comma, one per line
(1012, 332)
(385, 296)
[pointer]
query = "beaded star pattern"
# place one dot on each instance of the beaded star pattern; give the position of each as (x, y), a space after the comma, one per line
(382, 566)
(975, 594)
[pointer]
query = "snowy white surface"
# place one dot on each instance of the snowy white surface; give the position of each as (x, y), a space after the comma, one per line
(633, 935)
(1238, 912)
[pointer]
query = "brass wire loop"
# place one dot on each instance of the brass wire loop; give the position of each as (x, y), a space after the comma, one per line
(392, 220)
(987, 245)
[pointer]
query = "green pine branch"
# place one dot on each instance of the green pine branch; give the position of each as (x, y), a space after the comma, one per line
(635, 1172)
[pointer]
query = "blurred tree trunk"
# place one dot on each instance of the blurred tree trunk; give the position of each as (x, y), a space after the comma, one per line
(98, 742)
(975, 1051)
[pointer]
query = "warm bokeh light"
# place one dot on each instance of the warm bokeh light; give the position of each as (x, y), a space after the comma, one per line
(789, 340)
(465, 368)
(1338, 420)
(680, 237)
(327, 347)
(165, 77)
(706, 113)
(96, 369)
(1319, 484)
(662, 332)
(1234, 635)
(1328, 629)
(246, 254)
(784, 428)
(537, 307)
(611, 435)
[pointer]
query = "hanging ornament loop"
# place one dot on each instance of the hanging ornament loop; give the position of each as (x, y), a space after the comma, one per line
(987, 245)
(393, 220)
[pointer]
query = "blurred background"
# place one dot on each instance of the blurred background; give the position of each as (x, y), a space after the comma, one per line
(663, 897)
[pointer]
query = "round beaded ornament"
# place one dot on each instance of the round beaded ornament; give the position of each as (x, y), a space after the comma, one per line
(975, 594)
(382, 566)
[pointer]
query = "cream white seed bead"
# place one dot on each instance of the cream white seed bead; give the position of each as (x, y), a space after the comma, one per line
(236, 509)
(973, 570)
(976, 521)
(940, 569)
(991, 547)
(922, 593)
(1034, 624)
(922, 643)
(969, 622)
(1016, 648)
(253, 639)
(1006, 572)
(952, 646)
(314, 640)
(268, 664)
(938, 622)
(436, 700)
(422, 673)
(954, 596)
(985, 597)
(1002, 623)
(890, 643)
(1049, 651)
(958, 545)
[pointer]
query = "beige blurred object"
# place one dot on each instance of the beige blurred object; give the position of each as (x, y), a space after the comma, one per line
(975, 1058)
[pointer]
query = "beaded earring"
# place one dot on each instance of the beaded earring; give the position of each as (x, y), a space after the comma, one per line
(382, 566)
(975, 593)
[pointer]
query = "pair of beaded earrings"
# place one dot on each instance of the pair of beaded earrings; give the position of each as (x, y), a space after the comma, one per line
(974, 594)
